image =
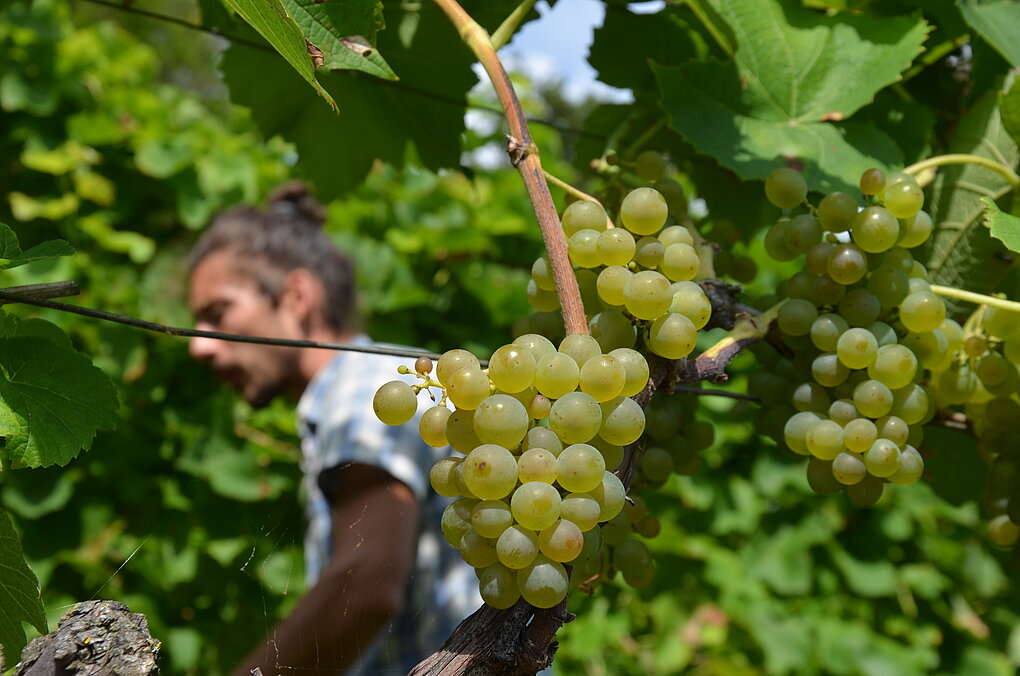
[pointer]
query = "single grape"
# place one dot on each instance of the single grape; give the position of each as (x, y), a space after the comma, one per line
(538, 345)
(456, 520)
(817, 258)
(581, 509)
(460, 431)
(497, 585)
(502, 420)
(828, 291)
(848, 469)
(612, 330)
(956, 385)
(602, 377)
(583, 215)
(612, 281)
(517, 547)
(442, 477)
(635, 369)
(611, 496)
(922, 311)
(1003, 531)
(648, 252)
(540, 299)
(824, 439)
(843, 411)
(650, 165)
(674, 195)
(541, 272)
(691, 301)
(916, 230)
(836, 211)
(672, 336)
(884, 334)
(561, 541)
(556, 374)
(810, 397)
(820, 477)
(802, 285)
(859, 435)
(828, 370)
(655, 465)
(579, 468)
(873, 399)
(883, 458)
(580, 347)
(623, 421)
(797, 316)
(893, 428)
(453, 361)
(544, 583)
(889, 285)
(575, 417)
(542, 437)
(582, 247)
(785, 188)
(395, 403)
(680, 262)
(857, 348)
(872, 181)
(535, 505)
(847, 264)
(468, 387)
(775, 241)
(866, 492)
(875, 229)
(490, 472)
(644, 211)
(537, 464)
(904, 199)
(826, 330)
(894, 365)
(490, 518)
(512, 368)
(803, 232)
(675, 234)
(615, 247)
(476, 550)
(859, 307)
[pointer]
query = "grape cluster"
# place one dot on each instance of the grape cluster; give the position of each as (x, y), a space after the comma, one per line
(634, 280)
(535, 433)
(864, 326)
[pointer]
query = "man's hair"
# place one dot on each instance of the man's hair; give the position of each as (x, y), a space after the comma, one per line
(268, 244)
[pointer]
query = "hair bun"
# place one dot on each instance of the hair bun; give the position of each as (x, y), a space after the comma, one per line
(294, 200)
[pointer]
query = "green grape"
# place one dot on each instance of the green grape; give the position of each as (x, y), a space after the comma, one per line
(582, 247)
(893, 428)
(898, 257)
(836, 211)
(656, 464)
(820, 477)
(456, 520)
(497, 585)
(650, 165)
(433, 426)
(583, 215)
(847, 264)
(644, 211)
(992, 369)
(512, 368)
(956, 385)
(476, 550)
(535, 505)
(857, 348)
(1001, 324)
(631, 554)
(675, 234)
(561, 541)
(680, 262)
(843, 411)
(575, 417)
(541, 272)
(602, 377)
(544, 438)
(580, 348)
(859, 307)
(490, 518)
(810, 397)
(725, 233)
(556, 375)
(460, 431)
(579, 468)
(490, 472)
(803, 232)
(802, 285)
(502, 420)
(517, 547)
(922, 311)
(691, 301)
(859, 435)
(442, 477)
(623, 421)
(826, 330)
(775, 241)
(538, 345)
(848, 469)
(883, 458)
(894, 365)
(541, 300)
(915, 230)
(648, 252)
(614, 247)
(611, 282)
(797, 316)
(395, 403)
(454, 360)
(648, 527)
(635, 369)
(743, 269)
(611, 496)
(674, 195)
(817, 258)
(537, 464)
(867, 492)
(612, 330)
(824, 439)
(581, 509)
(785, 188)
(672, 336)
(612, 454)
(918, 277)
(828, 291)
(588, 286)
(904, 198)
(468, 387)
(616, 530)
(544, 583)
(828, 370)
(889, 284)
(872, 181)
(875, 229)
(700, 434)
(873, 399)
(1003, 531)
(884, 334)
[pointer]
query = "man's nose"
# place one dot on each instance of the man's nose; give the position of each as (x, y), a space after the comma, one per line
(203, 349)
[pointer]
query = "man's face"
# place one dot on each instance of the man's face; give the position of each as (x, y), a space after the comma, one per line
(224, 298)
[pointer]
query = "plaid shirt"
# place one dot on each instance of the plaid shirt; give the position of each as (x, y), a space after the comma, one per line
(338, 426)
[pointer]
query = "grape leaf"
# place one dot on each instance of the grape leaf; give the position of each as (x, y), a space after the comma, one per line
(960, 253)
(344, 32)
(1003, 227)
(998, 22)
(19, 593)
(53, 402)
(1009, 109)
(795, 73)
(11, 255)
(271, 20)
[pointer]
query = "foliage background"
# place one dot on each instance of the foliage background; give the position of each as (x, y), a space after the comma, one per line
(120, 139)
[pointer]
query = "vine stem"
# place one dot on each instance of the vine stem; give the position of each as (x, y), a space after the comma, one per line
(976, 298)
(576, 192)
(524, 157)
(963, 158)
(510, 25)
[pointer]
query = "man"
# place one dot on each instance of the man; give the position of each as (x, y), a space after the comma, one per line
(387, 590)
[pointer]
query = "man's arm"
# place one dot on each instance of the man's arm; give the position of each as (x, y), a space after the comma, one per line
(375, 528)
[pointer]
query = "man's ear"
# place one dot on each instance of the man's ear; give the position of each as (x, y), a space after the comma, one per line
(303, 297)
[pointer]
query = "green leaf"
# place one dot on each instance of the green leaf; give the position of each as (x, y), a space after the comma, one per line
(960, 253)
(866, 578)
(998, 22)
(1003, 227)
(1009, 109)
(19, 594)
(271, 20)
(53, 402)
(11, 255)
(795, 72)
(344, 32)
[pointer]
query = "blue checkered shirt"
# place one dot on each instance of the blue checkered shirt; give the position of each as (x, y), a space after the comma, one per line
(338, 426)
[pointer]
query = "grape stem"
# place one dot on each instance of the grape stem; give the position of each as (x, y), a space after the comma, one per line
(510, 25)
(524, 157)
(576, 192)
(976, 298)
(961, 158)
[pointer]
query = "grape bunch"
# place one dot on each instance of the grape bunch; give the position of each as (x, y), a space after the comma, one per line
(536, 433)
(635, 281)
(864, 327)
